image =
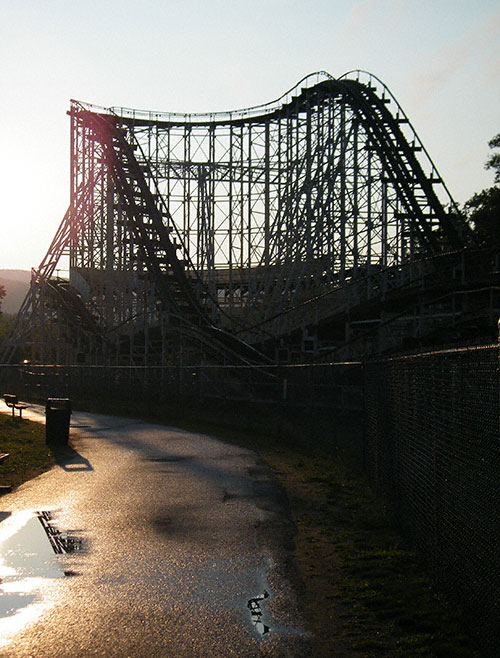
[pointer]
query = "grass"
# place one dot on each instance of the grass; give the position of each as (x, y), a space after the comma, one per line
(25, 443)
(365, 592)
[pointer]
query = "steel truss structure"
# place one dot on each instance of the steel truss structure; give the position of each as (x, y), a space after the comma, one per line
(231, 236)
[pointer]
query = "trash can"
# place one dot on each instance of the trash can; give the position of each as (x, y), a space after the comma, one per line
(57, 415)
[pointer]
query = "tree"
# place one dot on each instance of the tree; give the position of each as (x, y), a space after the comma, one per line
(493, 162)
(483, 209)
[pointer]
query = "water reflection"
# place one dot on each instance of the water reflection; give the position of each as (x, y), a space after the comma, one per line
(61, 542)
(29, 567)
(257, 615)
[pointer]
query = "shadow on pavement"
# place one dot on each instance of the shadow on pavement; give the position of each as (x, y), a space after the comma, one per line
(70, 460)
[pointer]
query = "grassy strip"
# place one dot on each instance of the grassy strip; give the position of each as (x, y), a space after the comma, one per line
(24, 440)
(367, 593)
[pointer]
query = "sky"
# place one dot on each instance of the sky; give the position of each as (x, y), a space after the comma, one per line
(439, 58)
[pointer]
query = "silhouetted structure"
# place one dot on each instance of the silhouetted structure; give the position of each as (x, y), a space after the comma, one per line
(310, 226)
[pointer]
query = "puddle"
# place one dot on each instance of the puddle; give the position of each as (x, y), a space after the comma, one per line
(61, 542)
(257, 615)
(31, 547)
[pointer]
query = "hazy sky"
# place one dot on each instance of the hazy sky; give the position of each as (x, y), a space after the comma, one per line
(440, 58)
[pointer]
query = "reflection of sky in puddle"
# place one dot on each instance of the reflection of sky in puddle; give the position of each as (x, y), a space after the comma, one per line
(28, 566)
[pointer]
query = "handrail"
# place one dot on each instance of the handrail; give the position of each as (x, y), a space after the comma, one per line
(187, 117)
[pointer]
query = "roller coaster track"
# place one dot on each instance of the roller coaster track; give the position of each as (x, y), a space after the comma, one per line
(225, 230)
(403, 167)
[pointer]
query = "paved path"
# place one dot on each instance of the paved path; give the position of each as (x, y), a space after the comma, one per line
(176, 545)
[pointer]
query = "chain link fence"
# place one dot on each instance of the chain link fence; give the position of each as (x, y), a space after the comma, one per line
(432, 448)
(425, 428)
(332, 386)
(308, 404)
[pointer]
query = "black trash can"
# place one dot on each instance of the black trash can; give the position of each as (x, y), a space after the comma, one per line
(57, 415)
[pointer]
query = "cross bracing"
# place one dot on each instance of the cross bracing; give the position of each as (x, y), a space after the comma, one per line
(222, 226)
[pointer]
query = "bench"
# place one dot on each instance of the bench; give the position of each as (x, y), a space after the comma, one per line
(12, 402)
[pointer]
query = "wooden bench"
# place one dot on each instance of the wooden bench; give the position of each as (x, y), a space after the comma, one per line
(12, 402)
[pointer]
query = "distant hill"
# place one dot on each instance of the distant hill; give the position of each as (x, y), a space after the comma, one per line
(16, 284)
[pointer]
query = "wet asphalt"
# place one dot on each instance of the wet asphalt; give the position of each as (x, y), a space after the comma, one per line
(148, 540)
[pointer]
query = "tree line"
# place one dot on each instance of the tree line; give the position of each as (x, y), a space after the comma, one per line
(482, 211)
